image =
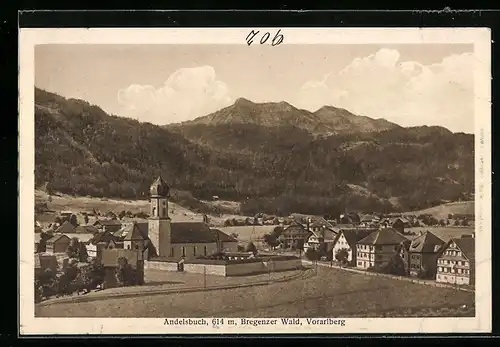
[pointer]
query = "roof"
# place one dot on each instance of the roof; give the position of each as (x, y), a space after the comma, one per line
(426, 243)
(367, 218)
(223, 237)
(109, 257)
(65, 228)
(101, 237)
(108, 222)
(467, 246)
(320, 222)
(159, 188)
(86, 229)
(353, 236)
(195, 232)
(384, 236)
(326, 234)
(58, 237)
(81, 237)
(136, 231)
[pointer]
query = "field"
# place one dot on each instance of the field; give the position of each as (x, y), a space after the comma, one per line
(445, 233)
(78, 204)
(442, 211)
(330, 293)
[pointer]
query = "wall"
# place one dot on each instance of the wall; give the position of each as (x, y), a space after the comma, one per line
(218, 270)
(282, 265)
(160, 265)
(229, 269)
(230, 247)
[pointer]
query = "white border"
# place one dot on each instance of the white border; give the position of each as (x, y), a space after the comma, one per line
(479, 37)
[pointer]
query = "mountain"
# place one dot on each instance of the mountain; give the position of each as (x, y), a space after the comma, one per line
(81, 150)
(328, 119)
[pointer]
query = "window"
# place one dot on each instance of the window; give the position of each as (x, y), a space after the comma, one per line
(128, 246)
(183, 251)
(360, 263)
(459, 254)
(445, 269)
(172, 252)
(164, 211)
(194, 251)
(205, 250)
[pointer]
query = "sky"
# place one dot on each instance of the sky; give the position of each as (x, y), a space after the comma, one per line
(413, 84)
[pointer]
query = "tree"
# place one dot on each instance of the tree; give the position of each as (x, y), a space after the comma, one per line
(73, 249)
(234, 235)
(395, 265)
(251, 248)
(442, 222)
(73, 220)
(465, 222)
(90, 276)
(122, 214)
(277, 231)
(457, 222)
(312, 254)
(271, 240)
(342, 255)
(125, 274)
(58, 220)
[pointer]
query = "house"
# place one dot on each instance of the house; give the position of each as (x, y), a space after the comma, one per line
(110, 225)
(110, 261)
(378, 247)
(423, 253)
(347, 239)
(456, 263)
(294, 236)
(369, 220)
(180, 240)
(98, 243)
(44, 261)
(57, 244)
(65, 228)
(321, 240)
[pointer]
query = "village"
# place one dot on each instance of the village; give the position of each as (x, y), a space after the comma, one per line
(82, 252)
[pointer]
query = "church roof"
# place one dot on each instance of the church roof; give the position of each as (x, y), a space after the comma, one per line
(196, 232)
(136, 231)
(159, 188)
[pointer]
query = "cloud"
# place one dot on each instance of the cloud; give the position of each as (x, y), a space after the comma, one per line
(404, 92)
(188, 93)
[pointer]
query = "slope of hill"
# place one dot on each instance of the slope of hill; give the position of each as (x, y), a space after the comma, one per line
(442, 211)
(328, 119)
(80, 150)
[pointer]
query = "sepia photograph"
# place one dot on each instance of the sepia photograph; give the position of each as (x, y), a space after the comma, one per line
(255, 180)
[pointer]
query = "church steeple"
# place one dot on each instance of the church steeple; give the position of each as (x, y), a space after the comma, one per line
(160, 192)
(159, 188)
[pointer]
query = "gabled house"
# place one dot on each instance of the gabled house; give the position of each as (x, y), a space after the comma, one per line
(378, 247)
(423, 253)
(294, 236)
(398, 223)
(57, 244)
(321, 239)
(347, 239)
(456, 263)
(45, 261)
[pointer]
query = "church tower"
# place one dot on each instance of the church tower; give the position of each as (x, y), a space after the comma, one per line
(159, 228)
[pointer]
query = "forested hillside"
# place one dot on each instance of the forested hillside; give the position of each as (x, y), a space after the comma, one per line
(276, 169)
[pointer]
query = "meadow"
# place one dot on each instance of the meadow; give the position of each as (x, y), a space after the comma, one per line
(330, 293)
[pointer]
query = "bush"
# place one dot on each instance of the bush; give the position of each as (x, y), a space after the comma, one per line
(312, 254)
(342, 255)
(125, 274)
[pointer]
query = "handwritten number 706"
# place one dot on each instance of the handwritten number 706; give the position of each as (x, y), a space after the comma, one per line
(277, 39)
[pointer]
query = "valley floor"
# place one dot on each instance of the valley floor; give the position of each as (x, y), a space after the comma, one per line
(330, 293)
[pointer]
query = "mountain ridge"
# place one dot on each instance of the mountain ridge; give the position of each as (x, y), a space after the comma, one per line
(326, 120)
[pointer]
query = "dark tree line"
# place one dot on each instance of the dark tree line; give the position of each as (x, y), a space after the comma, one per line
(83, 151)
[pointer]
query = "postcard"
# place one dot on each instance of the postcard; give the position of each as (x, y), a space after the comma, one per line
(254, 180)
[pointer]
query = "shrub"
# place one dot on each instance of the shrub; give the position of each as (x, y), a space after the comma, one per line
(312, 254)
(342, 255)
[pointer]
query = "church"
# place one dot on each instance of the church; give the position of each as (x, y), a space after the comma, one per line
(180, 240)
